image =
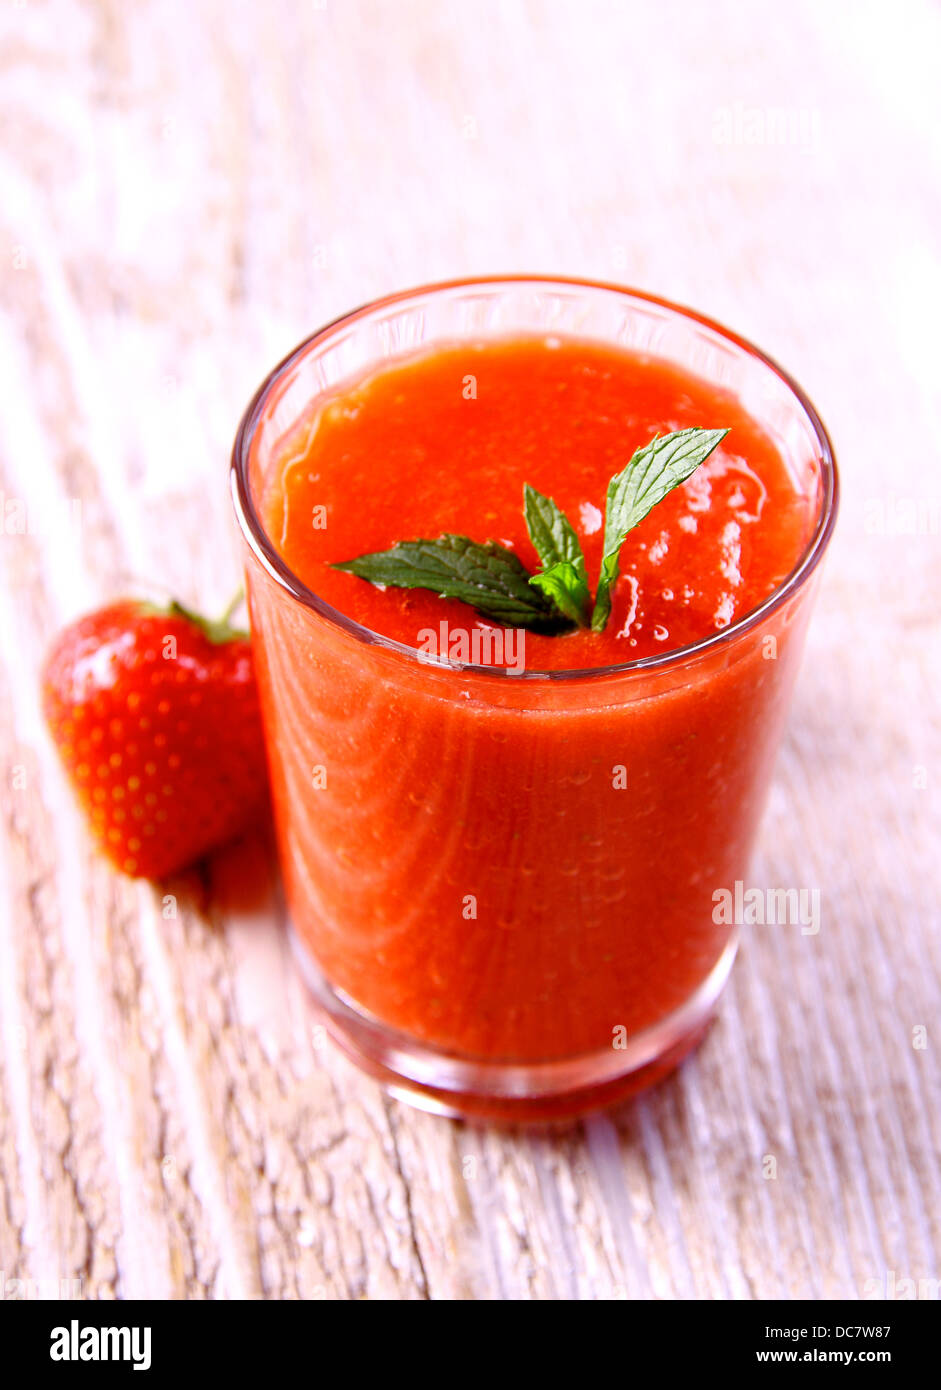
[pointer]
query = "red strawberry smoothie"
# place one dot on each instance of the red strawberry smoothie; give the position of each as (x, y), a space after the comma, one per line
(513, 869)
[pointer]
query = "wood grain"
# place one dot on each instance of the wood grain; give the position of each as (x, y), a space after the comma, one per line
(187, 190)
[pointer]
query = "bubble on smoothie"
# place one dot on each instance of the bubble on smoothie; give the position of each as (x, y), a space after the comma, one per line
(747, 493)
(590, 517)
(632, 612)
(698, 489)
(660, 548)
(725, 611)
(731, 562)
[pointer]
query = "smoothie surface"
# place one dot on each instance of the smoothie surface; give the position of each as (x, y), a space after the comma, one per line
(444, 442)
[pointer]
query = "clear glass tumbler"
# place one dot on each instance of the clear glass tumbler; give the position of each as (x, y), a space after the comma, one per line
(441, 781)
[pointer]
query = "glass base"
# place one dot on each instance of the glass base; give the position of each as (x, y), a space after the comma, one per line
(443, 1083)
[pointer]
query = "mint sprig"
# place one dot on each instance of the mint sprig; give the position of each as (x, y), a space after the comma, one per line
(564, 576)
(491, 578)
(494, 581)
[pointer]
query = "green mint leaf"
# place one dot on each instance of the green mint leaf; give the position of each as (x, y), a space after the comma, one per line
(551, 531)
(491, 578)
(654, 470)
(564, 577)
(566, 588)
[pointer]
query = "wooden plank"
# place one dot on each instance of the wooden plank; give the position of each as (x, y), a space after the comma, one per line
(188, 189)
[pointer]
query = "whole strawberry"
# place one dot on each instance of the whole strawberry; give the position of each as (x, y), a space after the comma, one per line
(155, 716)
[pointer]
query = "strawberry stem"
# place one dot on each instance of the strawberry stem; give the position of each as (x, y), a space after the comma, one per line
(237, 600)
(217, 630)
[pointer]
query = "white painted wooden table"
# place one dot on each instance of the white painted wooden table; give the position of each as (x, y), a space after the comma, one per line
(187, 189)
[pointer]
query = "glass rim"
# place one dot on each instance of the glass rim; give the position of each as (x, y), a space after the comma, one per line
(268, 556)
